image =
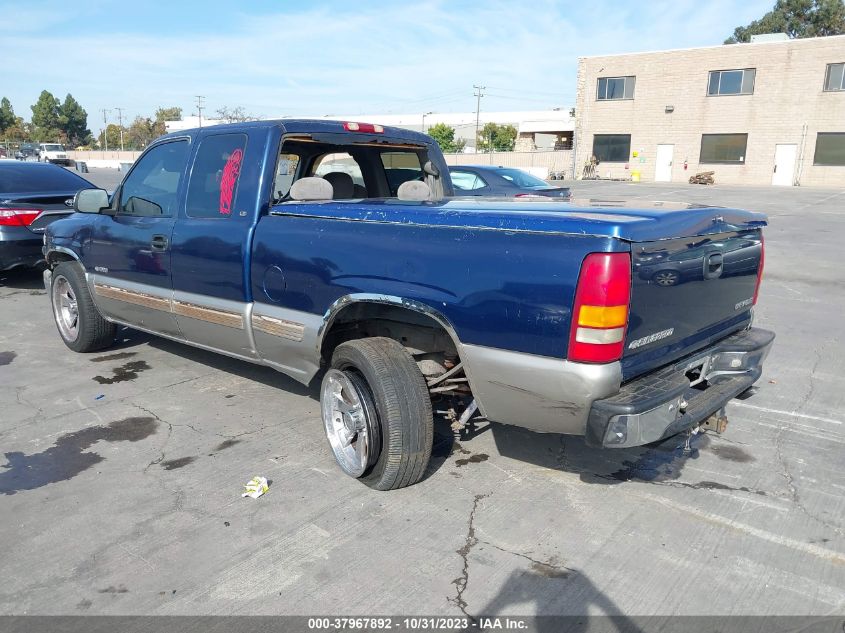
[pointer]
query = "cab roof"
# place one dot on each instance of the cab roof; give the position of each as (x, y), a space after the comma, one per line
(311, 126)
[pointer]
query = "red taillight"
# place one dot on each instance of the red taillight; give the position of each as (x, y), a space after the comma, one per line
(600, 313)
(760, 267)
(372, 128)
(18, 217)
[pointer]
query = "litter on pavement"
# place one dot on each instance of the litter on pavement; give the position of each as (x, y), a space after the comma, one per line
(256, 487)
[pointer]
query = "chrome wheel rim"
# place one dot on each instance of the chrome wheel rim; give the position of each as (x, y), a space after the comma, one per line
(348, 423)
(666, 279)
(65, 308)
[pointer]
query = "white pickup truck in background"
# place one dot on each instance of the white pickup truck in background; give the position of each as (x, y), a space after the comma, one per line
(53, 153)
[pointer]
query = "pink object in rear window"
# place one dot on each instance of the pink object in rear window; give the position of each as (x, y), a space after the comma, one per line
(230, 178)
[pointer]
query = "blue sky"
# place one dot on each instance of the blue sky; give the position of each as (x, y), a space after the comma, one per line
(276, 58)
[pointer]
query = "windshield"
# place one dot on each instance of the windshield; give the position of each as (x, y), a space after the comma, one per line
(521, 178)
(35, 178)
(54, 148)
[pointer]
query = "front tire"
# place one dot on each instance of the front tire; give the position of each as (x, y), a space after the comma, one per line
(377, 413)
(80, 324)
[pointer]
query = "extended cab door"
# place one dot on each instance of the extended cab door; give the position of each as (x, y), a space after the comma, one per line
(211, 241)
(129, 252)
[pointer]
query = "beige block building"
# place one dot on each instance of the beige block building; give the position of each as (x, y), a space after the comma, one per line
(767, 112)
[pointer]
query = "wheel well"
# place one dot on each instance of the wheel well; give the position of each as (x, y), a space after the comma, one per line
(423, 336)
(54, 257)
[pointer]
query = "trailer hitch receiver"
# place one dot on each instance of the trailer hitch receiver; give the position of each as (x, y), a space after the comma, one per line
(717, 422)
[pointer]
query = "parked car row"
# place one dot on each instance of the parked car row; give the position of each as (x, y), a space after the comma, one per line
(42, 152)
(489, 180)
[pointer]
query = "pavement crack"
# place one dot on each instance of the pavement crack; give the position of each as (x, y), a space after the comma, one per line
(38, 416)
(710, 485)
(462, 581)
(549, 568)
(160, 458)
(792, 488)
(232, 436)
(812, 376)
(170, 424)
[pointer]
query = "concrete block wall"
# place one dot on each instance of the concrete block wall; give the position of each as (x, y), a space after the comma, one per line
(788, 106)
(88, 156)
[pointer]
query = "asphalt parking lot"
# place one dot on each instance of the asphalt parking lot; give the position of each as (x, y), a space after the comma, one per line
(120, 487)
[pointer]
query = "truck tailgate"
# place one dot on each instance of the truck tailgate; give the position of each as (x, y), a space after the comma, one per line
(687, 292)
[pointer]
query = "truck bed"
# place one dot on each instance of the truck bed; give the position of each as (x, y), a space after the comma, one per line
(628, 221)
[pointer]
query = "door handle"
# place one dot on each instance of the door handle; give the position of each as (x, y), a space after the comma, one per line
(159, 243)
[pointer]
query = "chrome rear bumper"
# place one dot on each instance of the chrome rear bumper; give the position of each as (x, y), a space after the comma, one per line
(681, 395)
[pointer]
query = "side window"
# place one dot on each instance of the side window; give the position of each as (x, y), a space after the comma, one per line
(213, 187)
(285, 173)
(151, 187)
(466, 181)
(400, 167)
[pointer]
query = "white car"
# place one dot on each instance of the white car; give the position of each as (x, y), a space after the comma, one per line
(53, 153)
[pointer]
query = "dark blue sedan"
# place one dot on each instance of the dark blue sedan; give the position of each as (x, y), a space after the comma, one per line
(32, 195)
(490, 180)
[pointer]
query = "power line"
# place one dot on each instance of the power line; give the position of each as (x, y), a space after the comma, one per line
(513, 98)
(452, 93)
(105, 128)
(478, 94)
(200, 107)
(120, 122)
(535, 92)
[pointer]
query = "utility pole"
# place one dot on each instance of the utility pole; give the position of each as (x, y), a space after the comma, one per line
(478, 94)
(120, 122)
(200, 107)
(105, 128)
(425, 114)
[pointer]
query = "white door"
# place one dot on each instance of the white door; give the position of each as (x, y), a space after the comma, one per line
(663, 163)
(784, 169)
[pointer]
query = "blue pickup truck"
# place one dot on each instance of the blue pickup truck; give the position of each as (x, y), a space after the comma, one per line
(338, 251)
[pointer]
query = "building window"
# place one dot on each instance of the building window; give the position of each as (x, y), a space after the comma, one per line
(830, 149)
(615, 88)
(723, 148)
(731, 82)
(612, 148)
(834, 77)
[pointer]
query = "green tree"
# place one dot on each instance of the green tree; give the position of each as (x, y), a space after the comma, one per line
(45, 118)
(73, 120)
(798, 19)
(445, 137)
(234, 115)
(7, 115)
(140, 133)
(20, 130)
(113, 136)
(496, 138)
(165, 114)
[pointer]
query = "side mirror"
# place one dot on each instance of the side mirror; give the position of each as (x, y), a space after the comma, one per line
(91, 201)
